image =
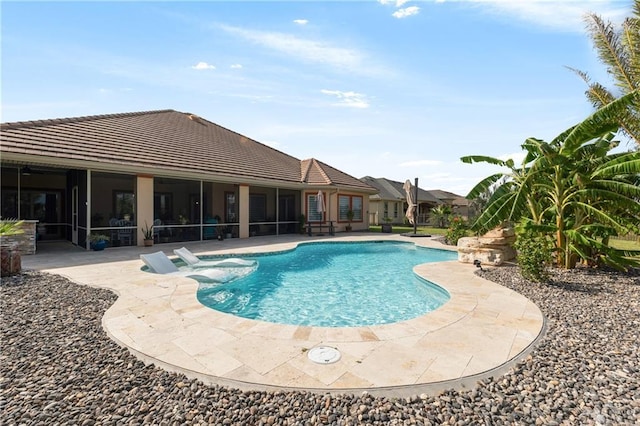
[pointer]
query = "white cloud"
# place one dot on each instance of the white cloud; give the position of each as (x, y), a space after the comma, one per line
(306, 50)
(203, 66)
(348, 99)
(516, 157)
(236, 66)
(301, 21)
(556, 14)
(419, 163)
(408, 11)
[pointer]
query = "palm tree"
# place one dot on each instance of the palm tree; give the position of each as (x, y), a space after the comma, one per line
(441, 215)
(573, 187)
(619, 50)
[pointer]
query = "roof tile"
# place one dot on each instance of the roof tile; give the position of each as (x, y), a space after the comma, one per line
(169, 140)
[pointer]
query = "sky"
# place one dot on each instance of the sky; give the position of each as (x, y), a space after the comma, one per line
(394, 89)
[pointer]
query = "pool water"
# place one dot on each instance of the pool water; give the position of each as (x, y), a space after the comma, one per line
(333, 285)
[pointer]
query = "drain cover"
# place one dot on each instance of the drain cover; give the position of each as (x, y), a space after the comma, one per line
(324, 355)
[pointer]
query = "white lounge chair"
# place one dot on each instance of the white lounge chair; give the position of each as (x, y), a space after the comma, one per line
(159, 263)
(195, 262)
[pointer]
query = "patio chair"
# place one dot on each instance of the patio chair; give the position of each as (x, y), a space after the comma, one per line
(159, 263)
(210, 232)
(125, 235)
(156, 230)
(195, 262)
(113, 223)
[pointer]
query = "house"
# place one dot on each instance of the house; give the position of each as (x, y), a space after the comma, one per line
(391, 201)
(187, 177)
(460, 206)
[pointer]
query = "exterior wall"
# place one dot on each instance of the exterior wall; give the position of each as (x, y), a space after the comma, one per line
(144, 204)
(376, 212)
(361, 225)
(244, 211)
(332, 209)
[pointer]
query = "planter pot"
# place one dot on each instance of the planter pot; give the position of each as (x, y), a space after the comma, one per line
(229, 235)
(148, 243)
(387, 228)
(347, 228)
(99, 245)
(11, 262)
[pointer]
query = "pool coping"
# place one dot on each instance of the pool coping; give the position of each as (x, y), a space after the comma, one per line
(481, 331)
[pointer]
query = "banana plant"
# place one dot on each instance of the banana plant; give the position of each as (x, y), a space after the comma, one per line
(573, 186)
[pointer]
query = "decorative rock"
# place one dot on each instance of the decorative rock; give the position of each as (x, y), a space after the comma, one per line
(59, 367)
(493, 248)
(487, 256)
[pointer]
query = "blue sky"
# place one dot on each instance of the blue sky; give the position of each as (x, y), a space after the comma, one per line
(397, 89)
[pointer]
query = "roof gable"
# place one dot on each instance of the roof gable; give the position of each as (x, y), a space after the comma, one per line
(315, 172)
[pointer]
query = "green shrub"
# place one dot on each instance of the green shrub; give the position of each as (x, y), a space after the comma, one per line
(534, 254)
(457, 229)
(10, 226)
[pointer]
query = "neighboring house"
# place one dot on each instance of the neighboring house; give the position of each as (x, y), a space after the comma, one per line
(188, 177)
(391, 201)
(459, 205)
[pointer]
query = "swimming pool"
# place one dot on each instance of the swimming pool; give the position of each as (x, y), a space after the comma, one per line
(333, 285)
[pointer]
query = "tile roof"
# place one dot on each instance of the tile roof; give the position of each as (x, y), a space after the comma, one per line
(450, 198)
(315, 172)
(162, 141)
(393, 190)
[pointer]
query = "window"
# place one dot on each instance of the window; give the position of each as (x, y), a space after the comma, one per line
(313, 215)
(9, 203)
(163, 206)
(123, 202)
(386, 209)
(257, 208)
(395, 210)
(350, 202)
(230, 207)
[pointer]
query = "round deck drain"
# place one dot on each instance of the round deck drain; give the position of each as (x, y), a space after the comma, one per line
(324, 355)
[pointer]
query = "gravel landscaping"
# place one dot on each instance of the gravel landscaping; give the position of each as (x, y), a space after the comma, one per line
(57, 366)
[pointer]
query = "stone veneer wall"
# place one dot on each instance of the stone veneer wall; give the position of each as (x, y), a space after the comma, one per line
(25, 242)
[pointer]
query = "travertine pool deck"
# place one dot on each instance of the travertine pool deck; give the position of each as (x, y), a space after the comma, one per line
(481, 331)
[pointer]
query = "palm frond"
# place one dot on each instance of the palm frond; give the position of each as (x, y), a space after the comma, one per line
(630, 39)
(596, 93)
(611, 51)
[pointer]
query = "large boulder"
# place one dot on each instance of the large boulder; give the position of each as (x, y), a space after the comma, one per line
(493, 248)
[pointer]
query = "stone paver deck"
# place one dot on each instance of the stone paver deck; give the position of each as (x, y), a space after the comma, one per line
(481, 331)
